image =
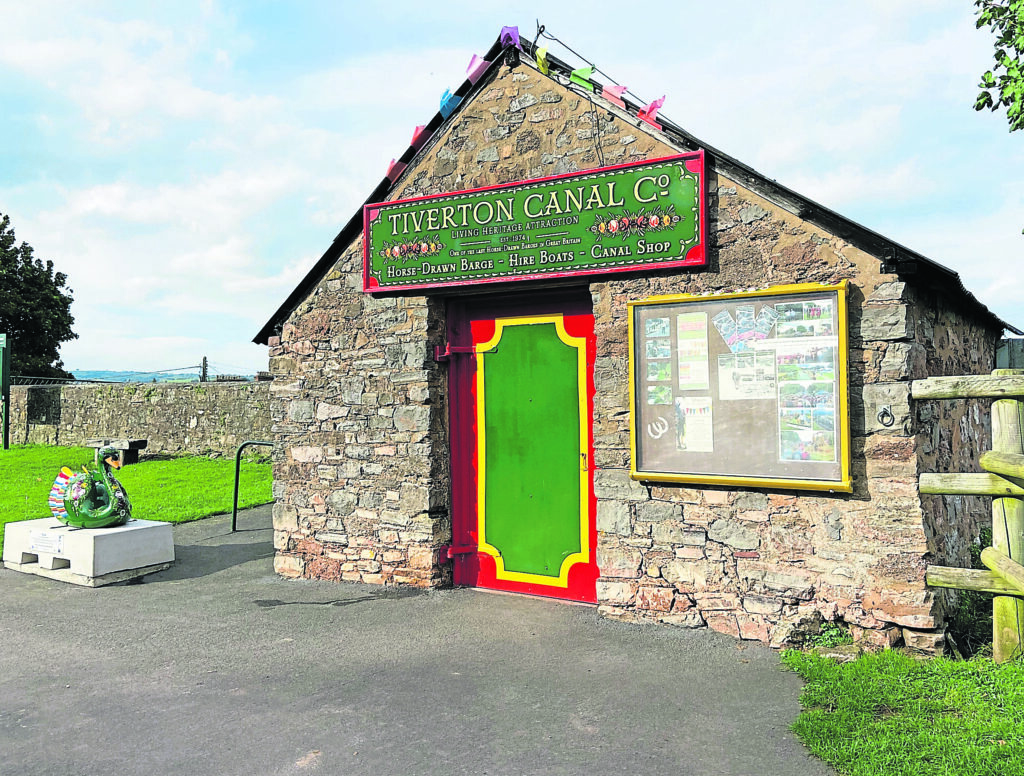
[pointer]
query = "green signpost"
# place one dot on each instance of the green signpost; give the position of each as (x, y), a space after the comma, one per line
(614, 219)
(5, 393)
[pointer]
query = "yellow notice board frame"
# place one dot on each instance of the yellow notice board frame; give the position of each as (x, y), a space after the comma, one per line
(749, 389)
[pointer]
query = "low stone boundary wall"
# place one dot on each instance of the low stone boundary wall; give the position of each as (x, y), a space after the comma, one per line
(197, 418)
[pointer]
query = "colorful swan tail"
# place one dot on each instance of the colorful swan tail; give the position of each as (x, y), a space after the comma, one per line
(60, 486)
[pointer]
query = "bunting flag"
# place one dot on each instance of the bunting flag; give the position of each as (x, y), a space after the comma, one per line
(614, 95)
(510, 37)
(395, 169)
(581, 76)
(449, 102)
(542, 60)
(476, 68)
(419, 137)
(650, 113)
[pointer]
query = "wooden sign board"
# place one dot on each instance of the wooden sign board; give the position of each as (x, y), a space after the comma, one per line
(745, 389)
(627, 217)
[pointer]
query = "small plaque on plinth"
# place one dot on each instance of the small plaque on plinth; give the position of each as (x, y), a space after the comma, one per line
(46, 542)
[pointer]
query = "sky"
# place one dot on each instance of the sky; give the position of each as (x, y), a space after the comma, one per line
(186, 163)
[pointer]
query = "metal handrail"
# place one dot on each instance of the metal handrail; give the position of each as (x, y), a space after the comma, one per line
(238, 467)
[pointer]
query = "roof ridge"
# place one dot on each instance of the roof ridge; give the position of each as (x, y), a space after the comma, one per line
(894, 257)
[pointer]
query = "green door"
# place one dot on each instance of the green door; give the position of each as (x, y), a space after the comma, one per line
(531, 401)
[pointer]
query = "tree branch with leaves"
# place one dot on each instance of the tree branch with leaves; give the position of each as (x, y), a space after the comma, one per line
(35, 310)
(1003, 85)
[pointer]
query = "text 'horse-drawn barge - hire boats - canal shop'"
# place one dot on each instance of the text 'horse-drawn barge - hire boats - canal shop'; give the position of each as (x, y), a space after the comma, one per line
(568, 350)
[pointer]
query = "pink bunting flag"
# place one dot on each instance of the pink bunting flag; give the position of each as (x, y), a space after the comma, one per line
(476, 68)
(650, 113)
(419, 137)
(614, 95)
(395, 169)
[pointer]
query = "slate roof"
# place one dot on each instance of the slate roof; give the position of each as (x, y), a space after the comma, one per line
(909, 265)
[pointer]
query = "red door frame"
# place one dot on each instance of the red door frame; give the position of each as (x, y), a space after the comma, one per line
(471, 567)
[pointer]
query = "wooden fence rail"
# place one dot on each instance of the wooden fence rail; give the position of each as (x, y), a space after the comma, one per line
(1004, 481)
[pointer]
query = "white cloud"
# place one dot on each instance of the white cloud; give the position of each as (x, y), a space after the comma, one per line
(215, 203)
(192, 196)
(386, 81)
(987, 251)
(842, 187)
(129, 79)
(863, 132)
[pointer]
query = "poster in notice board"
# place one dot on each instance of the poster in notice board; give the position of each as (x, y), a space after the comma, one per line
(746, 389)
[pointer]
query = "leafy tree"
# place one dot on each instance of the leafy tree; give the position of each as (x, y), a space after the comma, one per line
(1003, 86)
(35, 312)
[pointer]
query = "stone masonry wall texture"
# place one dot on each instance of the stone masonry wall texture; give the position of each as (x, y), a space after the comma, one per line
(359, 409)
(173, 417)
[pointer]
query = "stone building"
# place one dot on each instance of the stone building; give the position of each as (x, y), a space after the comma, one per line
(378, 404)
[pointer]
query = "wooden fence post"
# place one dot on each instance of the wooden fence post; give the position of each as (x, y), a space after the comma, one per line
(1008, 527)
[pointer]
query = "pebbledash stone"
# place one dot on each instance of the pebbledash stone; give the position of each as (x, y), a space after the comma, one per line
(342, 502)
(613, 517)
(616, 484)
(751, 213)
(361, 412)
(659, 512)
(616, 592)
(325, 411)
(619, 562)
(674, 532)
(655, 599)
(734, 534)
(929, 642)
(888, 322)
(758, 604)
(688, 575)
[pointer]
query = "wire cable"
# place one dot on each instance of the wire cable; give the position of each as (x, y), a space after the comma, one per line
(541, 33)
(595, 135)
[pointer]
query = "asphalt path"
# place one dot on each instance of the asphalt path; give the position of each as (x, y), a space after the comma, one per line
(217, 666)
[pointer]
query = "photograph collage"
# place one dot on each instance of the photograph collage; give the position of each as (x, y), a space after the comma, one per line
(782, 352)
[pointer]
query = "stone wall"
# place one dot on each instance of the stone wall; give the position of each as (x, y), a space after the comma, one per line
(361, 469)
(951, 435)
(360, 412)
(195, 418)
(768, 565)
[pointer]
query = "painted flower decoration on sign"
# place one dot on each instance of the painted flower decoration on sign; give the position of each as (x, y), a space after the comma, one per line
(628, 224)
(413, 248)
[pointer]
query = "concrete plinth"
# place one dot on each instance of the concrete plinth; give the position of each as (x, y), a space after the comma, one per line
(88, 556)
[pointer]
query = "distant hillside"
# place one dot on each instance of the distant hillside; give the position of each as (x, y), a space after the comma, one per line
(136, 377)
(110, 376)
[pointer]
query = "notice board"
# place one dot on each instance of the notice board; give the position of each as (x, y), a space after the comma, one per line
(746, 388)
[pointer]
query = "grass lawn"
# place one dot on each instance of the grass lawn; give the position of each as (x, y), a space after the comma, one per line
(889, 714)
(176, 490)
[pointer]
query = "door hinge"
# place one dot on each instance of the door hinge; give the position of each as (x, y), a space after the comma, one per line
(448, 551)
(442, 355)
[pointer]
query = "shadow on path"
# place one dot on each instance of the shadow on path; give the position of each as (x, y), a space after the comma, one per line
(208, 546)
(392, 593)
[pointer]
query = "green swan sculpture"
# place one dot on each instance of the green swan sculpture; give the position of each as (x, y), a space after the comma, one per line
(92, 498)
